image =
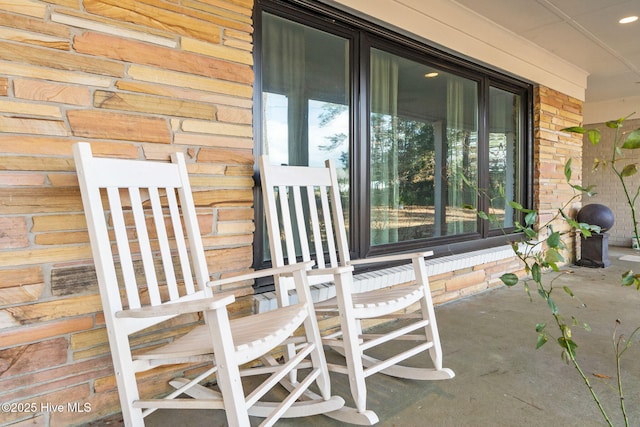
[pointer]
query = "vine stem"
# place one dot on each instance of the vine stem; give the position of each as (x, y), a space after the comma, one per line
(576, 364)
(566, 335)
(630, 201)
(619, 353)
(619, 378)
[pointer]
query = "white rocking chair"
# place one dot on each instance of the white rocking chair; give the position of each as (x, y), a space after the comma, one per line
(304, 222)
(151, 267)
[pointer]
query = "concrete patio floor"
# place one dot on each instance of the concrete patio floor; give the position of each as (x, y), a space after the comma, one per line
(501, 379)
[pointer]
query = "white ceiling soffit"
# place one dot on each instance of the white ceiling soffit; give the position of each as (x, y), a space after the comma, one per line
(556, 43)
(460, 30)
(587, 34)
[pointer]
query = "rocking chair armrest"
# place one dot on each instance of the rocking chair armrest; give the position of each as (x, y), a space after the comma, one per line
(287, 270)
(391, 258)
(180, 307)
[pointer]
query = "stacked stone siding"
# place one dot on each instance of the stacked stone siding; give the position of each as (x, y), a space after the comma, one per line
(137, 80)
(554, 111)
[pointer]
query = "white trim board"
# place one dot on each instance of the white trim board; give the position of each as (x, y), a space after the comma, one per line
(380, 278)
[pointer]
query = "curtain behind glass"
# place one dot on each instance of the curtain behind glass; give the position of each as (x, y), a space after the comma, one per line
(284, 71)
(384, 148)
(461, 157)
(504, 135)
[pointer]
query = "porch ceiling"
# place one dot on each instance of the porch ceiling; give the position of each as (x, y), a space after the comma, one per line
(584, 32)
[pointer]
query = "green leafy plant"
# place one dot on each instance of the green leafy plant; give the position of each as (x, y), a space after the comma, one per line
(621, 167)
(542, 248)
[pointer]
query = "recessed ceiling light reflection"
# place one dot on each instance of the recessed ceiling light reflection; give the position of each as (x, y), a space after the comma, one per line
(431, 75)
(628, 19)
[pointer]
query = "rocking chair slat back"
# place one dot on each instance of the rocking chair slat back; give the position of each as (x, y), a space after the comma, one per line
(142, 240)
(302, 208)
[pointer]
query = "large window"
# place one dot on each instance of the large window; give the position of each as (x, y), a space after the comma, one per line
(423, 139)
(417, 135)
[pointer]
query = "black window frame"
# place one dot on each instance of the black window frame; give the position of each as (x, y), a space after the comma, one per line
(363, 35)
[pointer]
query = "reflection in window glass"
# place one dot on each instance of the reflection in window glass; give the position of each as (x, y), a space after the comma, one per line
(423, 141)
(305, 93)
(305, 98)
(504, 135)
(275, 131)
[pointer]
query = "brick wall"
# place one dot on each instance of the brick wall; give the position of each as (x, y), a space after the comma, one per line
(608, 186)
(554, 111)
(138, 79)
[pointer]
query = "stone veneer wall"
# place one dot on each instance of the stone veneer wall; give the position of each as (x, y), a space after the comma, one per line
(554, 111)
(607, 185)
(139, 79)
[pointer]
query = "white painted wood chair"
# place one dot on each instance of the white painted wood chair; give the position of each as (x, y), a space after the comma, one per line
(151, 267)
(304, 217)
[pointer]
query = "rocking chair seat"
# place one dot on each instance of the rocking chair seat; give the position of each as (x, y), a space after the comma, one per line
(251, 335)
(379, 302)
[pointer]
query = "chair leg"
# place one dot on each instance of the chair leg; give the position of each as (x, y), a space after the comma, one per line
(289, 351)
(356, 374)
(431, 332)
(426, 307)
(228, 374)
(312, 333)
(132, 417)
(127, 385)
(355, 370)
(352, 352)
(318, 357)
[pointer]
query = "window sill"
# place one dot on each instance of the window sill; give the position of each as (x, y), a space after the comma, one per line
(377, 279)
